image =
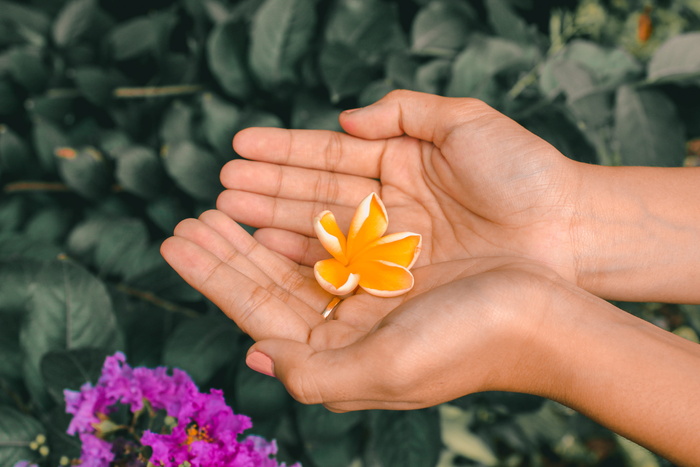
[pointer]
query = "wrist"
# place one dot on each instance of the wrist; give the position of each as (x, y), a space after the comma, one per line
(635, 231)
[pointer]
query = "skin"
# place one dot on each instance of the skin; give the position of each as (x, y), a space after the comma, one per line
(519, 242)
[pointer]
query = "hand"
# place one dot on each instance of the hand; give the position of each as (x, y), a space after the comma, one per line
(471, 181)
(384, 349)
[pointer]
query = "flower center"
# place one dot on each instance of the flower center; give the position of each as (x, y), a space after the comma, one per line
(198, 433)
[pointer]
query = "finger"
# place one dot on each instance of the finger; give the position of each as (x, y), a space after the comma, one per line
(254, 309)
(296, 183)
(315, 377)
(267, 211)
(315, 149)
(423, 116)
(298, 248)
(241, 251)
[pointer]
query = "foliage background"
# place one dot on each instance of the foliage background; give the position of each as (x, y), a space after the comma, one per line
(118, 114)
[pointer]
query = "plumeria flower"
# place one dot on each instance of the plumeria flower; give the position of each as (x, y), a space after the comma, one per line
(378, 264)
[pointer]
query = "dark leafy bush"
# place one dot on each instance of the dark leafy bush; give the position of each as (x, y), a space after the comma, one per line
(118, 115)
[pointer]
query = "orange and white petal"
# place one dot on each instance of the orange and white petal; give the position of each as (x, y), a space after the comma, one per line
(335, 278)
(383, 279)
(368, 224)
(401, 249)
(330, 235)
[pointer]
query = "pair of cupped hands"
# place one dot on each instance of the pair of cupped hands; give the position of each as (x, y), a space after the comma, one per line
(498, 271)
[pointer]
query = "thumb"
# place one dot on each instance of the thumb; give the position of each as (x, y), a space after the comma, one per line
(311, 376)
(423, 116)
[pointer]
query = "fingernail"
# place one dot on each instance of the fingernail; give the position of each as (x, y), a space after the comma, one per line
(261, 363)
(349, 111)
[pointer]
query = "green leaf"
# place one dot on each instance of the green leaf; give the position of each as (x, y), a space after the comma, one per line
(47, 137)
(15, 276)
(194, 169)
(14, 246)
(166, 211)
(507, 24)
(139, 171)
(410, 438)
(85, 170)
(10, 358)
(177, 124)
(432, 76)
(344, 72)
(318, 423)
(440, 28)
(68, 309)
(201, 346)
(27, 67)
(17, 431)
(677, 60)
(312, 112)
(26, 17)
(648, 129)
(258, 395)
(16, 159)
(280, 36)
(226, 53)
(97, 85)
(13, 212)
(133, 38)
(475, 69)
(370, 27)
(603, 68)
(219, 123)
(9, 101)
(50, 224)
(70, 369)
(375, 91)
(163, 282)
(122, 248)
(73, 21)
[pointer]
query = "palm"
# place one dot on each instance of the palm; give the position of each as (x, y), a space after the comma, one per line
(470, 196)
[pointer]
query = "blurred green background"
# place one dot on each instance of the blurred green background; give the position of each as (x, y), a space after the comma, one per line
(116, 117)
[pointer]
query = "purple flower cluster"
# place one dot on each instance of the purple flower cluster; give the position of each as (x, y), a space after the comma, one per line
(205, 432)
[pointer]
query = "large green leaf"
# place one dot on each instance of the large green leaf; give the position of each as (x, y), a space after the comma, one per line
(70, 369)
(476, 68)
(441, 28)
(370, 27)
(123, 249)
(344, 71)
(220, 121)
(176, 126)
(10, 358)
(46, 138)
(258, 395)
(98, 84)
(28, 69)
(85, 170)
(201, 346)
(226, 53)
(647, 128)
(508, 24)
(76, 19)
(280, 36)
(410, 438)
(194, 169)
(26, 17)
(677, 60)
(68, 309)
(140, 171)
(133, 38)
(16, 159)
(318, 423)
(17, 431)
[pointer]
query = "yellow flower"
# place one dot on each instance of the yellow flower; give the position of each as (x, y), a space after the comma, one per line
(378, 264)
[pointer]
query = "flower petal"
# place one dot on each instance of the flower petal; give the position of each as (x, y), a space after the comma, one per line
(383, 279)
(401, 249)
(368, 224)
(330, 235)
(335, 278)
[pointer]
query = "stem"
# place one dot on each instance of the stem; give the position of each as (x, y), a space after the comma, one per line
(156, 91)
(36, 186)
(157, 301)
